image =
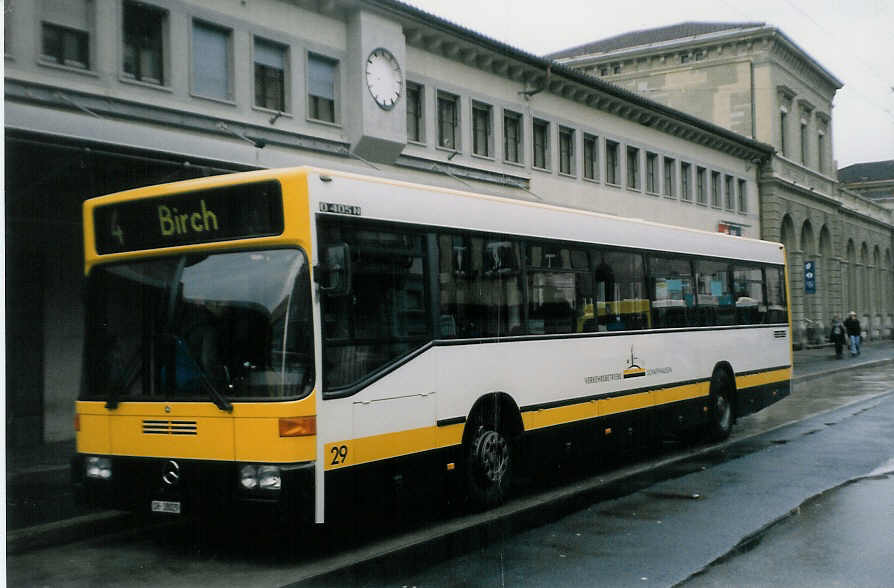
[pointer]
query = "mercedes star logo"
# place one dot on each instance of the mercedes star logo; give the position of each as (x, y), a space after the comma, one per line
(170, 473)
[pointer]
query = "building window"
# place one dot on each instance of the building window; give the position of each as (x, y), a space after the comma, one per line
(821, 152)
(685, 181)
(512, 136)
(743, 196)
(669, 177)
(616, 68)
(612, 163)
(66, 28)
(448, 121)
(65, 46)
(566, 151)
(482, 125)
(143, 43)
(321, 76)
(651, 173)
(591, 157)
(541, 144)
(211, 51)
(701, 186)
(684, 58)
(633, 181)
(715, 189)
(804, 145)
(783, 124)
(728, 193)
(270, 75)
(415, 126)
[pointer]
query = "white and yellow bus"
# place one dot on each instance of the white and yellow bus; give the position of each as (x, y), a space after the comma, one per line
(280, 338)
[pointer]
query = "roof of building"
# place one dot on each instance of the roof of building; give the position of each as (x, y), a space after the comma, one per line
(870, 171)
(649, 36)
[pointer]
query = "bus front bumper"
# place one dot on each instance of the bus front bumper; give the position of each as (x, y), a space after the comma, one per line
(176, 487)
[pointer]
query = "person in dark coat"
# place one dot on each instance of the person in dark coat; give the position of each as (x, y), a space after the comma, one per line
(837, 336)
(852, 324)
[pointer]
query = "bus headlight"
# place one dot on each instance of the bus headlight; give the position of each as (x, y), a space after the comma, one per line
(269, 478)
(248, 477)
(260, 477)
(99, 468)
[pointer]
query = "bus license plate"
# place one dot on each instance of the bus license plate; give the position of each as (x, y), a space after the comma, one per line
(165, 506)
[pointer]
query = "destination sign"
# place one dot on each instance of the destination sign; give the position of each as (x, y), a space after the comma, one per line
(203, 216)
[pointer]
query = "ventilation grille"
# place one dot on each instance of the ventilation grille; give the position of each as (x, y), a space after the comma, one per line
(153, 427)
(780, 334)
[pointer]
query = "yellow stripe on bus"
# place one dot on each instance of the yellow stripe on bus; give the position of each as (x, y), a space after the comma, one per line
(390, 445)
(763, 378)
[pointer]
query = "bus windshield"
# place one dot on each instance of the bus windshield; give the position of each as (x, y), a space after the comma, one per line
(222, 326)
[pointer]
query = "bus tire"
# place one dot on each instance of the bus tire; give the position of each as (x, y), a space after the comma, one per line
(488, 463)
(720, 409)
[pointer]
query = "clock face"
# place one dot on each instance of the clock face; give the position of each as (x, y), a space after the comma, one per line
(383, 78)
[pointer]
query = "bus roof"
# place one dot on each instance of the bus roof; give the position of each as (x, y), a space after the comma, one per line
(401, 201)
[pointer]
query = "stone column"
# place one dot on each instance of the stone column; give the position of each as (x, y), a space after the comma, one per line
(796, 283)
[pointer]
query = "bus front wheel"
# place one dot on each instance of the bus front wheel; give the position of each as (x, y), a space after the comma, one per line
(488, 466)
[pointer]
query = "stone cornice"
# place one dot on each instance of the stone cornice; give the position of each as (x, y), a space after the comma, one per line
(752, 41)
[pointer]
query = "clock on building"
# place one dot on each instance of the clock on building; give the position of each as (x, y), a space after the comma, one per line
(383, 78)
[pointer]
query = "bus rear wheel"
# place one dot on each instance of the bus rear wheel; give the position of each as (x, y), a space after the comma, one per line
(720, 406)
(488, 466)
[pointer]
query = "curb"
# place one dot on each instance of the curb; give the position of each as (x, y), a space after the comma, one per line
(67, 530)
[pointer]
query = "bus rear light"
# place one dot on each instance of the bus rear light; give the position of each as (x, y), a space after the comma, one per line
(297, 426)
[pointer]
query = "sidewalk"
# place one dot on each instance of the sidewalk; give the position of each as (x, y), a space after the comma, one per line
(40, 507)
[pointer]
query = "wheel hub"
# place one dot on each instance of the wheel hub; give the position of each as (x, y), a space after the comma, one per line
(492, 455)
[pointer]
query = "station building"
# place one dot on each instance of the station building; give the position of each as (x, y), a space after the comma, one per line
(753, 79)
(105, 95)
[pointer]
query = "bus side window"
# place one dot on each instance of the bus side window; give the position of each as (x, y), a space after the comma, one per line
(480, 286)
(560, 289)
(715, 301)
(620, 303)
(748, 290)
(776, 305)
(384, 316)
(671, 292)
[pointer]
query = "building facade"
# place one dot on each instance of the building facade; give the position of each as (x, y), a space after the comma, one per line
(105, 95)
(752, 79)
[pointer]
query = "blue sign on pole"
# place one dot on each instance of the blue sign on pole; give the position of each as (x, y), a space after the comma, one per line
(810, 277)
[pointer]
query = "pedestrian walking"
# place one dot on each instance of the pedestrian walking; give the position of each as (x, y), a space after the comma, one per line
(837, 336)
(852, 325)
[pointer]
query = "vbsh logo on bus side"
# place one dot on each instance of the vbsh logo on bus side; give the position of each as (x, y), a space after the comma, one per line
(172, 222)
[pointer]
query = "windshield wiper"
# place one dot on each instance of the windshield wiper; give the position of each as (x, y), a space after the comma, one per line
(217, 397)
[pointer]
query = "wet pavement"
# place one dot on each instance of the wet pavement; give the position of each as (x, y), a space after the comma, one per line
(843, 537)
(41, 509)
